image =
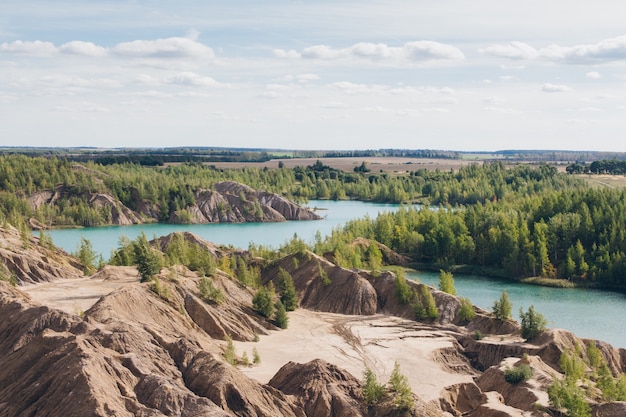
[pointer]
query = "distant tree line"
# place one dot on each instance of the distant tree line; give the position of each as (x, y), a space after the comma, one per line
(605, 166)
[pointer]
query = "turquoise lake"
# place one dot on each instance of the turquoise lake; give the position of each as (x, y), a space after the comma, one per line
(588, 313)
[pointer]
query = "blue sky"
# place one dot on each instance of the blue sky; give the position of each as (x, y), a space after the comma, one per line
(435, 74)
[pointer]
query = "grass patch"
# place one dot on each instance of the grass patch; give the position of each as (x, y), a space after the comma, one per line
(549, 282)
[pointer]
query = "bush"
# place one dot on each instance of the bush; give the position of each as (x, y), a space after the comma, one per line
(288, 295)
(502, 308)
(466, 312)
(87, 256)
(263, 301)
(399, 386)
(446, 282)
(208, 292)
(533, 323)
(425, 306)
(230, 355)
(478, 335)
(403, 290)
(518, 374)
(566, 394)
(281, 319)
(372, 390)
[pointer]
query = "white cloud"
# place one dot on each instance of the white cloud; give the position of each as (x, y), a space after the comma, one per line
(613, 49)
(594, 75)
(147, 79)
(35, 48)
(415, 52)
(192, 79)
(164, 48)
(513, 50)
(555, 88)
(82, 48)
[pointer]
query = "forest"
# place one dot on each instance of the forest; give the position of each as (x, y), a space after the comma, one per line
(520, 221)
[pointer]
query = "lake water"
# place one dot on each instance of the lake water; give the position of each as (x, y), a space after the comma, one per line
(593, 314)
(588, 313)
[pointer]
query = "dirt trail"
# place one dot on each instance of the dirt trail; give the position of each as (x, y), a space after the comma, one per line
(354, 342)
(75, 296)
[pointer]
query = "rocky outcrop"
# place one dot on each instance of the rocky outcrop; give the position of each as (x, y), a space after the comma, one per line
(323, 286)
(321, 389)
(117, 213)
(227, 202)
(153, 351)
(25, 260)
(231, 202)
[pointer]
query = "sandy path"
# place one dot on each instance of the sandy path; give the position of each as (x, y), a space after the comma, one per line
(75, 296)
(352, 342)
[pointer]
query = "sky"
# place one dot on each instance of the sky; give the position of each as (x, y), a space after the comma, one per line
(480, 75)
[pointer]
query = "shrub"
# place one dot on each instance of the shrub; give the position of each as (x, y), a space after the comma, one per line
(446, 282)
(502, 308)
(208, 292)
(533, 323)
(425, 306)
(263, 301)
(518, 374)
(230, 355)
(281, 319)
(478, 335)
(256, 358)
(399, 386)
(466, 312)
(288, 295)
(403, 290)
(372, 390)
(87, 256)
(566, 394)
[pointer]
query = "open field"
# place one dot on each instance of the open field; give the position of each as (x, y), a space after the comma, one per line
(376, 164)
(605, 180)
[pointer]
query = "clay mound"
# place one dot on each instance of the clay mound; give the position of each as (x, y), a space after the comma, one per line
(134, 354)
(29, 262)
(116, 273)
(165, 241)
(55, 364)
(388, 302)
(120, 214)
(321, 389)
(232, 202)
(523, 395)
(390, 257)
(323, 286)
(232, 391)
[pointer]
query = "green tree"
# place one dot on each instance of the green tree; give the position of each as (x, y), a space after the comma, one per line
(374, 256)
(466, 312)
(208, 291)
(403, 290)
(148, 262)
(446, 282)
(566, 394)
(400, 388)
(424, 304)
(372, 390)
(256, 358)
(288, 295)
(230, 355)
(533, 323)
(502, 308)
(87, 256)
(263, 301)
(280, 318)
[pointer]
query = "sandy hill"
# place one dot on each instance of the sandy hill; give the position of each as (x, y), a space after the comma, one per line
(110, 345)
